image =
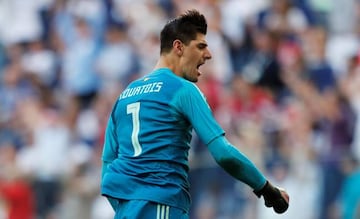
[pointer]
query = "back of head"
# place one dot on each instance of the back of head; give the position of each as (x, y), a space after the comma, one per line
(185, 27)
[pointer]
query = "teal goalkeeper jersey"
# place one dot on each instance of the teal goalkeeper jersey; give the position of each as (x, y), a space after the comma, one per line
(148, 138)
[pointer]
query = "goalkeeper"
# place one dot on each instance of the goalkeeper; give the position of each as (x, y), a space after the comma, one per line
(147, 140)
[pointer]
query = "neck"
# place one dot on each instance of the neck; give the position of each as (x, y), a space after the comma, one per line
(170, 63)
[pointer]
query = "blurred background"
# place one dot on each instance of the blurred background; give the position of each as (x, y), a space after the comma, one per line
(284, 83)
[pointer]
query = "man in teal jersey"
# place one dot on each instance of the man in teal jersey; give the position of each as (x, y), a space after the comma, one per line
(147, 140)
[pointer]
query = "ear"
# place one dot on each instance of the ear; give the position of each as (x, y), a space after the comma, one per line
(178, 47)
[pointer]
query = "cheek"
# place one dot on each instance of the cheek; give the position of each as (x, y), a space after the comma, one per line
(193, 61)
(192, 55)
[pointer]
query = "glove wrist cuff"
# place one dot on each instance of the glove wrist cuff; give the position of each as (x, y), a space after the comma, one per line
(260, 192)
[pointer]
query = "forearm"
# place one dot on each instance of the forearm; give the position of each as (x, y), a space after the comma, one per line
(236, 163)
(113, 202)
(104, 168)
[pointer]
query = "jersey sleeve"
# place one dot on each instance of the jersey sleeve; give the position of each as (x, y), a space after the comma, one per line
(110, 143)
(236, 163)
(192, 103)
(110, 148)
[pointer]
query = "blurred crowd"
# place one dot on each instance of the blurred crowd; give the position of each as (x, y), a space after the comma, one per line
(284, 83)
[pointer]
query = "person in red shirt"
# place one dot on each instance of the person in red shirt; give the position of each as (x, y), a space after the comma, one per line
(18, 198)
(15, 190)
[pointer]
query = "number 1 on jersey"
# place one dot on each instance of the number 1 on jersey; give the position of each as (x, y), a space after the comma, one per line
(134, 109)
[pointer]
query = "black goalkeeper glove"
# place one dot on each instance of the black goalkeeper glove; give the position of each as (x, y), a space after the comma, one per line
(274, 197)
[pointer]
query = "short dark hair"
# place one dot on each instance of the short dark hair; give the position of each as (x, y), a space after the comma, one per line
(185, 27)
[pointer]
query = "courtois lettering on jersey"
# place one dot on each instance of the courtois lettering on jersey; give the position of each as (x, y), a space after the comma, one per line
(143, 89)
